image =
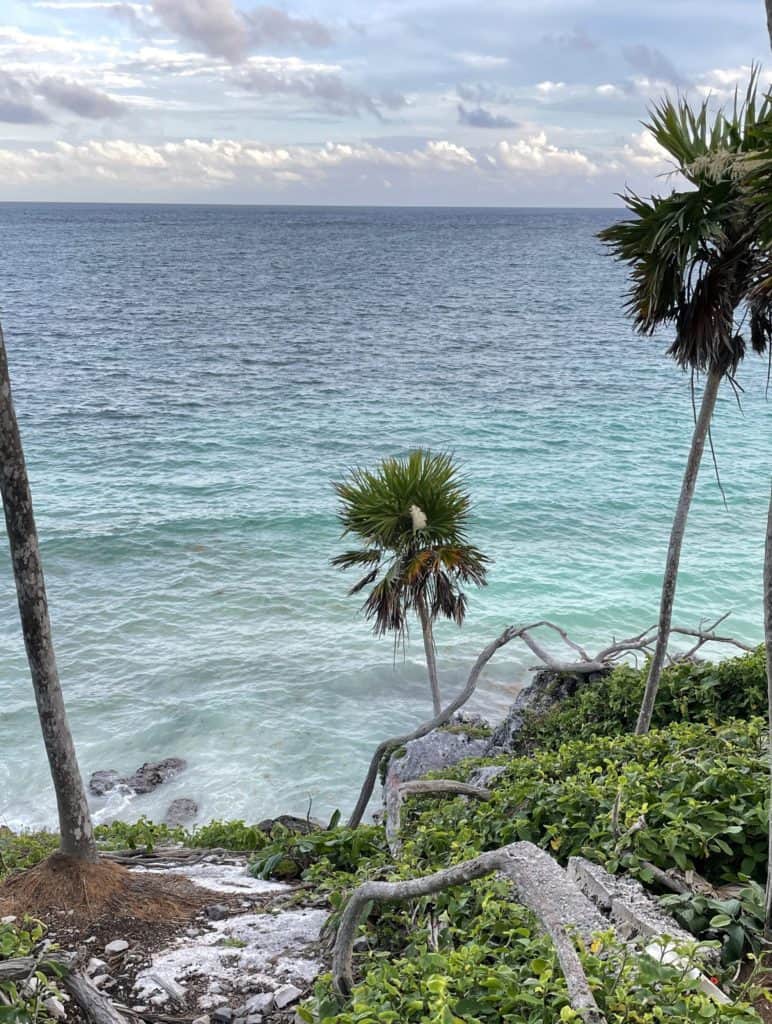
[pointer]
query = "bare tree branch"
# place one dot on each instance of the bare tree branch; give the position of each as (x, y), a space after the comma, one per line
(540, 884)
(434, 787)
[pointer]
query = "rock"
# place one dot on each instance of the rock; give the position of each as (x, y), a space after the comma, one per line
(289, 821)
(55, 1008)
(259, 1003)
(253, 1018)
(484, 775)
(159, 1000)
(285, 995)
(173, 989)
(144, 780)
(546, 689)
(8, 919)
(437, 750)
(222, 1015)
(96, 966)
(181, 811)
(103, 782)
(202, 1020)
(99, 980)
(116, 946)
(216, 912)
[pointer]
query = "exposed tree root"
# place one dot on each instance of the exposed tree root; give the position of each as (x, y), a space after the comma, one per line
(92, 892)
(417, 787)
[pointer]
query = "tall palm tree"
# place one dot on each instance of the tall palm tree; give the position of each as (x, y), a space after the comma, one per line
(695, 259)
(77, 836)
(768, 645)
(411, 516)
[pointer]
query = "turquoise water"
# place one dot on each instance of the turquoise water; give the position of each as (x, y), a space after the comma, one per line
(190, 379)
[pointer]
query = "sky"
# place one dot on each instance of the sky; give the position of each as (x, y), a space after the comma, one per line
(396, 102)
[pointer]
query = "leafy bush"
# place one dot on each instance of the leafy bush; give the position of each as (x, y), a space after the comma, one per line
(22, 850)
(738, 921)
(335, 851)
(701, 790)
(688, 692)
(25, 1001)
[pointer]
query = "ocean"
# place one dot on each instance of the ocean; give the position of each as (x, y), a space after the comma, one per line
(190, 379)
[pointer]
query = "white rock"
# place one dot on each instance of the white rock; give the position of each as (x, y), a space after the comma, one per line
(169, 985)
(54, 1008)
(159, 999)
(8, 919)
(99, 980)
(202, 1020)
(285, 995)
(95, 966)
(116, 946)
(259, 1003)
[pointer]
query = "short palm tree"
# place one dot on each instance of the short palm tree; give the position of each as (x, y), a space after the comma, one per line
(696, 259)
(410, 515)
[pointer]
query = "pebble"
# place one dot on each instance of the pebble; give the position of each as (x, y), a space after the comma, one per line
(100, 980)
(95, 966)
(253, 1018)
(222, 1015)
(202, 1020)
(285, 995)
(116, 946)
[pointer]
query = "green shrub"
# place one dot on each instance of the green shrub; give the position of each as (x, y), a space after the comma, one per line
(330, 853)
(688, 692)
(22, 850)
(24, 1001)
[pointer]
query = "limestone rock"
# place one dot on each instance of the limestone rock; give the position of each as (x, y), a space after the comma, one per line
(286, 995)
(116, 946)
(437, 750)
(546, 689)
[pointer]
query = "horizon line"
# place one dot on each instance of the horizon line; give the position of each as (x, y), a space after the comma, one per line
(291, 206)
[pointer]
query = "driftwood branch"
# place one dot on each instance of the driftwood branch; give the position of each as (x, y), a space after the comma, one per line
(540, 885)
(96, 1007)
(433, 787)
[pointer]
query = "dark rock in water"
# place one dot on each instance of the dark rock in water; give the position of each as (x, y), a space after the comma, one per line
(439, 749)
(102, 782)
(181, 811)
(546, 689)
(153, 773)
(290, 822)
(144, 780)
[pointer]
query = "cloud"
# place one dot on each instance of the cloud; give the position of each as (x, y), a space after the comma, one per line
(577, 40)
(79, 99)
(643, 152)
(550, 88)
(534, 153)
(223, 31)
(320, 82)
(653, 63)
(217, 162)
(479, 117)
(19, 95)
(16, 102)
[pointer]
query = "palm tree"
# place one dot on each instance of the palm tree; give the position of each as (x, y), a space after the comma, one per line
(768, 645)
(695, 258)
(77, 836)
(410, 515)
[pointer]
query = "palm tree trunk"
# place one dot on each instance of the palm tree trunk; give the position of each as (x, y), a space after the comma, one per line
(431, 654)
(677, 531)
(769, 20)
(77, 837)
(768, 644)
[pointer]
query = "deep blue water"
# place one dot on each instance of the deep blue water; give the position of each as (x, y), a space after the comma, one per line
(190, 379)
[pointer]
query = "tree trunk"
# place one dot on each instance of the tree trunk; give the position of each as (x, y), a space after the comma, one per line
(77, 838)
(768, 644)
(769, 20)
(431, 654)
(678, 529)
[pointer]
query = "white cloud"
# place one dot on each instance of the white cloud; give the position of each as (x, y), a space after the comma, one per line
(549, 88)
(534, 153)
(643, 152)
